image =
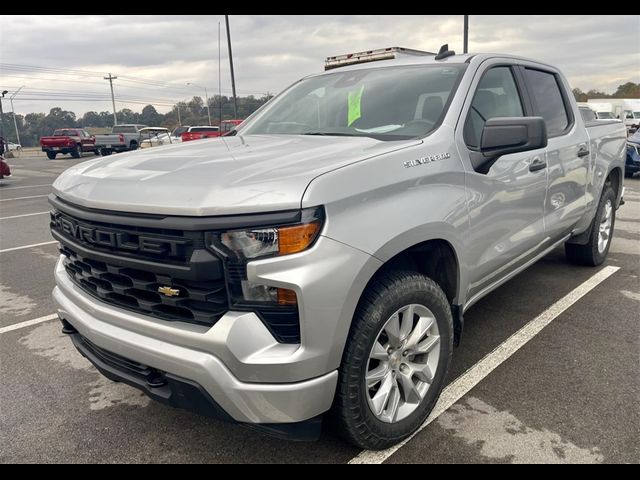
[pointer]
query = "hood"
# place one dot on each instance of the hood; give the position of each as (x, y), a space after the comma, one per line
(230, 175)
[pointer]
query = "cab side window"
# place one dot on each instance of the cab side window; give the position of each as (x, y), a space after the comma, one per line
(496, 96)
(548, 98)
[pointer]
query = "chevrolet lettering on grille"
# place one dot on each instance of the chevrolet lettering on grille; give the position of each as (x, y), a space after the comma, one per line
(113, 239)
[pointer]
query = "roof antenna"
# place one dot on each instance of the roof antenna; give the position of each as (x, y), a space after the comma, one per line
(444, 52)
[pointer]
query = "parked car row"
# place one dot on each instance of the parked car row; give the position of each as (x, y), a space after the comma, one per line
(123, 138)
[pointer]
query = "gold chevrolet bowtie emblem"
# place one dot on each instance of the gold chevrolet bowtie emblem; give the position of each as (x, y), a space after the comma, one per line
(168, 291)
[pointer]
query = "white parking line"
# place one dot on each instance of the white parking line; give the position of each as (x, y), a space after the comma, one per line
(28, 323)
(27, 246)
(24, 186)
(25, 215)
(22, 198)
(465, 382)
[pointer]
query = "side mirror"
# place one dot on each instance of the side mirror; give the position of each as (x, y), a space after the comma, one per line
(505, 135)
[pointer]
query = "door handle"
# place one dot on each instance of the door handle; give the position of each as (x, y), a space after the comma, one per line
(583, 152)
(537, 164)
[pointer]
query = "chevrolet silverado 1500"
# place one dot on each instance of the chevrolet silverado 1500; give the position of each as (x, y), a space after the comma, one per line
(75, 141)
(322, 256)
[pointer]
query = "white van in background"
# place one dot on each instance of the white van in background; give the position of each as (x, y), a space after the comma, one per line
(602, 109)
(626, 109)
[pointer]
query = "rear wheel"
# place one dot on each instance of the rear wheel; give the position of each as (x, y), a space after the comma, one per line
(395, 360)
(595, 251)
(76, 152)
(51, 155)
(133, 145)
(628, 174)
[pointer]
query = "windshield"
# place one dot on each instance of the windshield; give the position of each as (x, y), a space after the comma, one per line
(386, 103)
(179, 131)
(605, 115)
(636, 114)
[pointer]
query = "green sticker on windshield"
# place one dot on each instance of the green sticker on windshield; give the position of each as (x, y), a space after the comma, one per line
(354, 105)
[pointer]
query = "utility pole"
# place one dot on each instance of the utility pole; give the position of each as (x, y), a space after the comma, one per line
(233, 78)
(178, 109)
(466, 34)
(13, 113)
(2, 139)
(113, 99)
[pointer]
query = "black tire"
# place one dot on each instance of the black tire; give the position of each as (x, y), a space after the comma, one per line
(386, 295)
(589, 254)
(76, 152)
(628, 174)
(133, 145)
(105, 152)
(51, 155)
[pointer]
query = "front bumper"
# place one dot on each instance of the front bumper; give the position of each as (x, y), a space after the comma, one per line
(243, 402)
(237, 362)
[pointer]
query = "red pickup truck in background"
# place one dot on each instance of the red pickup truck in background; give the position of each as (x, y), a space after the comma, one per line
(227, 125)
(75, 141)
(196, 133)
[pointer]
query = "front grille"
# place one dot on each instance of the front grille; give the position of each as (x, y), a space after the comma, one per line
(202, 302)
(123, 260)
(166, 245)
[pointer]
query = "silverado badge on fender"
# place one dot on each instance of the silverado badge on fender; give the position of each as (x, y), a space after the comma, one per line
(425, 160)
(168, 291)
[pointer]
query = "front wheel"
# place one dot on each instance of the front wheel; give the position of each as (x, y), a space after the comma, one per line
(595, 251)
(395, 361)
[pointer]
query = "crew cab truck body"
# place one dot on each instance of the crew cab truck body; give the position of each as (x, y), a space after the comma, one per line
(74, 141)
(122, 138)
(325, 253)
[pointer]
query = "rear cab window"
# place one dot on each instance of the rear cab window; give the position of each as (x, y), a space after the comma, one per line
(204, 129)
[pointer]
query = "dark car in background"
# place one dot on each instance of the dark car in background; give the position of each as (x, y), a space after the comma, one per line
(632, 164)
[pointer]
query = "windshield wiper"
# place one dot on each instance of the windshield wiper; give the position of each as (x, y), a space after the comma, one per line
(332, 134)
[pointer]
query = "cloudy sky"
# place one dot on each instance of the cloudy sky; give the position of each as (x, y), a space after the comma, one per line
(60, 61)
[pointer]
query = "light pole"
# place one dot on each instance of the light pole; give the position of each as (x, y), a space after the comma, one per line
(2, 139)
(465, 36)
(206, 96)
(13, 113)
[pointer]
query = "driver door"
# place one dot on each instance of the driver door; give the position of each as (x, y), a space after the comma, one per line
(506, 202)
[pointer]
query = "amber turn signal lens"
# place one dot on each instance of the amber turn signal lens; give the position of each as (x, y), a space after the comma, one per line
(297, 238)
(287, 297)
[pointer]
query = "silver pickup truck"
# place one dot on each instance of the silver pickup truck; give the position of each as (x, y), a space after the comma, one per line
(121, 139)
(322, 258)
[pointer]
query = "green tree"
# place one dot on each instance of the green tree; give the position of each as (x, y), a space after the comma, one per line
(579, 95)
(150, 116)
(628, 90)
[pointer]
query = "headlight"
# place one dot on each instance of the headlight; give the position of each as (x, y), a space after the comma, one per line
(240, 246)
(264, 242)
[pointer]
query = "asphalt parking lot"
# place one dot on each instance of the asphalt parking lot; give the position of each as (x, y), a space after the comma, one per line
(571, 394)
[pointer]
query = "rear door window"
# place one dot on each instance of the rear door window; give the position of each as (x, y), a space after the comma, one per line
(549, 101)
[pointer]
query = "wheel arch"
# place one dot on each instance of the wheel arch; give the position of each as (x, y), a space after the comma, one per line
(437, 257)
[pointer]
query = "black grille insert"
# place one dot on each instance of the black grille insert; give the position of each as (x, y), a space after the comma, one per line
(201, 302)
